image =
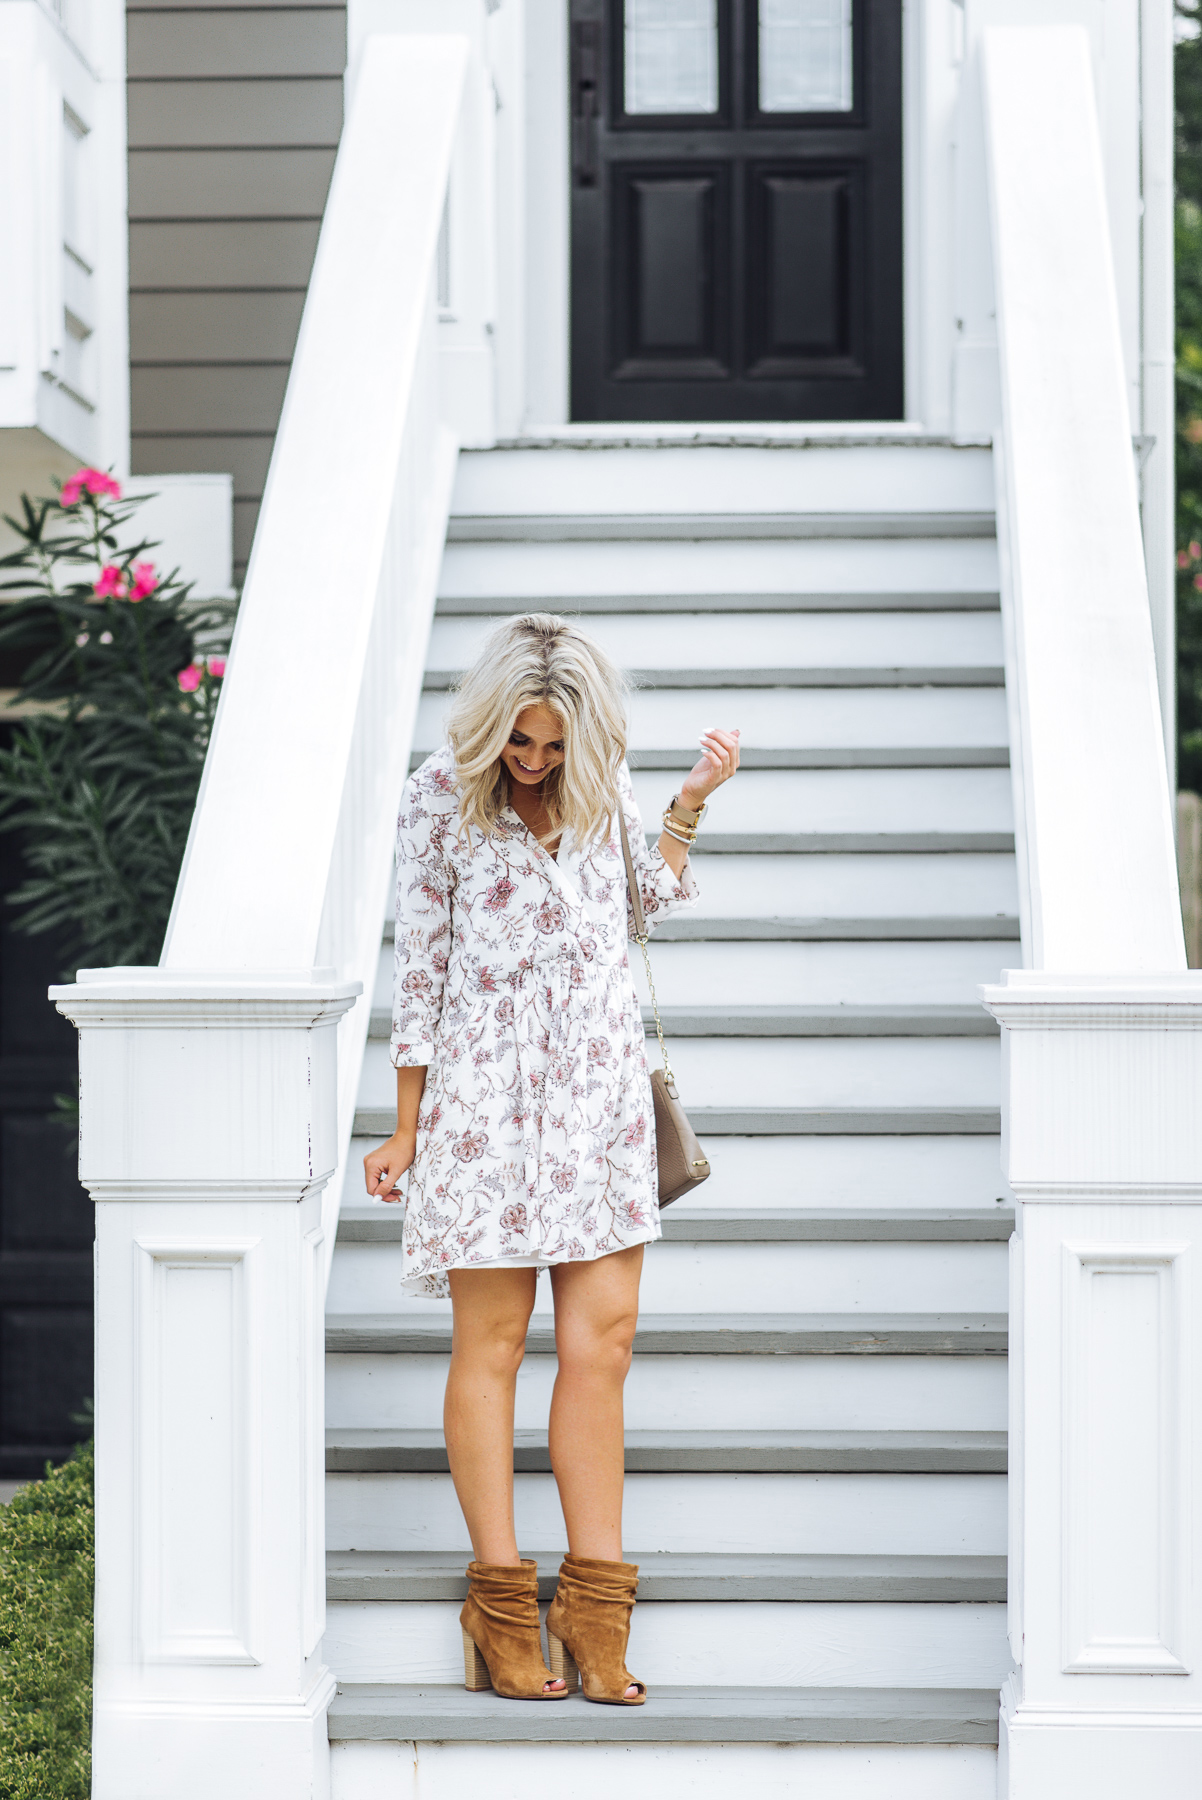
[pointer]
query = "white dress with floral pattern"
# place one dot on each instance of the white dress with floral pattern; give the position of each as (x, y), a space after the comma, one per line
(536, 1135)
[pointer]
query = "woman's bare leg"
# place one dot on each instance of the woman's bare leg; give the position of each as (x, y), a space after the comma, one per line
(492, 1309)
(596, 1311)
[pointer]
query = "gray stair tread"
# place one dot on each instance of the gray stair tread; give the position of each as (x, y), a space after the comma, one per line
(917, 675)
(507, 527)
(673, 1714)
(801, 1021)
(360, 1575)
(797, 1121)
(364, 1450)
(867, 843)
(696, 928)
(381, 1222)
(483, 605)
(716, 929)
(712, 1334)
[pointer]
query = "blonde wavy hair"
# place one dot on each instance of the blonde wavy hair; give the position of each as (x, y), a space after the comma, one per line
(541, 660)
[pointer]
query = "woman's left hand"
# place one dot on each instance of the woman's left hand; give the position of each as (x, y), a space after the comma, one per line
(719, 760)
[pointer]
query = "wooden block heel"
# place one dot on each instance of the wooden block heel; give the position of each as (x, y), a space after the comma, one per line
(475, 1670)
(562, 1663)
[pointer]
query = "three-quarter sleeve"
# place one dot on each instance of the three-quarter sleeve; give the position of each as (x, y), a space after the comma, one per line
(423, 928)
(662, 892)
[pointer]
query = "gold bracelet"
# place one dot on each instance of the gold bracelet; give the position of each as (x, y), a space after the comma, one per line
(687, 815)
(688, 842)
(670, 818)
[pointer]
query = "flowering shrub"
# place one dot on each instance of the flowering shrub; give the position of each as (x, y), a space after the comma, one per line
(101, 772)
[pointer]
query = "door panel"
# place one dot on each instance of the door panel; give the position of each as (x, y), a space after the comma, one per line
(732, 258)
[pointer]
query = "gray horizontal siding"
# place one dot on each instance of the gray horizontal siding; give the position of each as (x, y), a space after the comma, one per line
(232, 253)
(212, 115)
(213, 400)
(246, 457)
(243, 43)
(215, 327)
(234, 116)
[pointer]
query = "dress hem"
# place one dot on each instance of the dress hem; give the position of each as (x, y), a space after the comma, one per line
(417, 1285)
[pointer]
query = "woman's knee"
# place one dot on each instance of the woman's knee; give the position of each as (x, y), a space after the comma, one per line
(598, 1348)
(490, 1320)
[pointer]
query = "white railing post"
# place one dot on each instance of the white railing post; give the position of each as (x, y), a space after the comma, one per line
(1102, 1032)
(217, 1091)
(208, 1128)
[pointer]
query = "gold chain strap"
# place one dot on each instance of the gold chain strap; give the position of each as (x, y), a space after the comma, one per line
(663, 1048)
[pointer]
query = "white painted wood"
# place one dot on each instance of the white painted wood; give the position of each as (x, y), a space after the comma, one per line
(708, 1643)
(1089, 751)
(951, 719)
(691, 1278)
(384, 1771)
(842, 1172)
(730, 642)
(552, 575)
(696, 1393)
(936, 803)
(1158, 358)
(800, 1072)
(852, 479)
(801, 974)
(209, 1278)
(912, 1515)
(63, 397)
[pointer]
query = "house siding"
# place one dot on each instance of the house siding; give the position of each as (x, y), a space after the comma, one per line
(234, 116)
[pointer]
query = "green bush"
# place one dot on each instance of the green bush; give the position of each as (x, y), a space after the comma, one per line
(102, 771)
(46, 1566)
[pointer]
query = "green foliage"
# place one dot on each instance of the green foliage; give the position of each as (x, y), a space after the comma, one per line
(1188, 79)
(102, 772)
(46, 1572)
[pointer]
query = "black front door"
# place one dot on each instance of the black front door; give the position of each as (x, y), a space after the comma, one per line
(736, 209)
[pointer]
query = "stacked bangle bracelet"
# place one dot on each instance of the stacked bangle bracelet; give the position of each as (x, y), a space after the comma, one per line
(681, 822)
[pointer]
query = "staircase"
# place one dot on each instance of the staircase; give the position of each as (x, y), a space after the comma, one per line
(816, 1414)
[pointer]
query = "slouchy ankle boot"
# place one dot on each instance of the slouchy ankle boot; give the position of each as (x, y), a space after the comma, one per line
(502, 1646)
(588, 1627)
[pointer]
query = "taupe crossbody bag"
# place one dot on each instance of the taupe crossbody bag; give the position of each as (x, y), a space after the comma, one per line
(682, 1162)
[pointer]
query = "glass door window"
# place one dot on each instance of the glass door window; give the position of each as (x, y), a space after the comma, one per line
(805, 56)
(671, 56)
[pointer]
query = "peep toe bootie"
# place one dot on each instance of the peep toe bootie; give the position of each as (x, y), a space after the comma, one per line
(502, 1646)
(588, 1627)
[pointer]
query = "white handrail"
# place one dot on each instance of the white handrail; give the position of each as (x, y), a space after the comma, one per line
(1098, 877)
(288, 858)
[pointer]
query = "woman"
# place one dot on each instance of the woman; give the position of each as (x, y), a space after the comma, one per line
(524, 1114)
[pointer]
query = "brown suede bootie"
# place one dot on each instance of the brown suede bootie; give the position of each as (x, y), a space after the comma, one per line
(588, 1627)
(502, 1646)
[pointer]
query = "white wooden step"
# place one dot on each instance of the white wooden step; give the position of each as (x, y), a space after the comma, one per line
(802, 575)
(896, 1721)
(843, 480)
(802, 650)
(850, 896)
(379, 1222)
(710, 1642)
(786, 1086)
(848, 809)
(845, 1173)
(395, 1449)
(406, 1575)
(743, 1277)
(912, 1513)
(390, 1389)
(879, 727)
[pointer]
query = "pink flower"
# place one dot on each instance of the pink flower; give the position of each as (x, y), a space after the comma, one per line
(217, 667)
(1183, 559)
(111, 583)
(1198, 582)
(499, 894)
(1195, 549)
(189, 678)
(145, 580)
(94, 481)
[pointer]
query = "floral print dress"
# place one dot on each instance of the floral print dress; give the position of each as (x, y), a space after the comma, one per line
(536, 1135)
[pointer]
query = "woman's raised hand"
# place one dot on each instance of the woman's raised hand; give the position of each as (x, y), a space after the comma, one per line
(719, 760)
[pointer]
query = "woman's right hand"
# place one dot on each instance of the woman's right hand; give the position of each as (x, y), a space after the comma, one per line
(384, 1167)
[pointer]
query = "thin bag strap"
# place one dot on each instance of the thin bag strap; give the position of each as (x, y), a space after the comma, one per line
(640, 938)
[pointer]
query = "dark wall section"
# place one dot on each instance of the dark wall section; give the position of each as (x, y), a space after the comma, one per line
(234, 117)
(45, 1216)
